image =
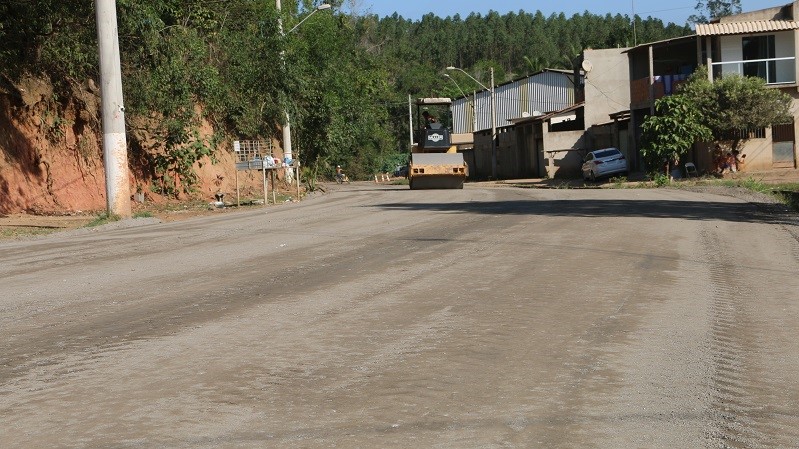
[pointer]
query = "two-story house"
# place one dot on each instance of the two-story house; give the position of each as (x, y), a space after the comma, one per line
(759, 43)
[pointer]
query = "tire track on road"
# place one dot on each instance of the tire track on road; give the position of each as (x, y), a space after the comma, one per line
(743, 404)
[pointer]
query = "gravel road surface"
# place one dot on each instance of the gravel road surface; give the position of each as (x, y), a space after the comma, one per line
(376, 317)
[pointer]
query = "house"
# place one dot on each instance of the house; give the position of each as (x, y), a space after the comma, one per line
(546, 122)
(534, 95)
(559, 139)
(615, 90)
(760, 43)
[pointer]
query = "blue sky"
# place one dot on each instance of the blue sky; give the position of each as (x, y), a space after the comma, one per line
(669, 11)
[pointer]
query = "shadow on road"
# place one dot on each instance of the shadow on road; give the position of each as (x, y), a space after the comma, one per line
(689, 210)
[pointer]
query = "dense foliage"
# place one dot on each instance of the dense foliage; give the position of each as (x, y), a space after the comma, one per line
(734, 103)
(677, 125)
(723, 111)
(343, 78)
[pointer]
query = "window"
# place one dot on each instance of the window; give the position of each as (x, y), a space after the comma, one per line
(744, 134)
(608, 153)
(757, 48)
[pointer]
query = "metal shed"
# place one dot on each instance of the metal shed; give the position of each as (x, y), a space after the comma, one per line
(543, 92)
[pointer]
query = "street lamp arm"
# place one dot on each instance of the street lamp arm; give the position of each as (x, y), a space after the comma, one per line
(493, 117)
(470, 76)
(456, 84)
(287, 126)
(321, 7)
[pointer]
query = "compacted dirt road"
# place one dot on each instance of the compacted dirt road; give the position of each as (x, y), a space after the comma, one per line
(381, 317)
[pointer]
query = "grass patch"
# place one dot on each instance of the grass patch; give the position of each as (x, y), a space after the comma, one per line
(789, 195)
(143, 214)
(26, 231)
(619, 182)
(400, 182)
(750, 183)
(281, 197)
(103, 218)
(785, 193)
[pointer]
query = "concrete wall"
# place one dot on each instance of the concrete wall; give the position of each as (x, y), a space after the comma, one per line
(564, 152)
(757, 151)
(758, 154)
(607, 86)
(507, 157)
(774, 13)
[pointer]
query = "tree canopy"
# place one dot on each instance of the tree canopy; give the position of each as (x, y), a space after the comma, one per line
(723, 111)
(714, 9)
(677, 125)
(343, 78)
(734, 103)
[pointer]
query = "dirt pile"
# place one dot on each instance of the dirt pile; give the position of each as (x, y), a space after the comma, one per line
(51, 160)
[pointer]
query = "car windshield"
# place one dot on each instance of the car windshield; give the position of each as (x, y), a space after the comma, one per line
(607, 153)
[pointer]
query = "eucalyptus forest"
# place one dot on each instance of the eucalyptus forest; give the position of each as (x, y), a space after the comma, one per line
(343, 76)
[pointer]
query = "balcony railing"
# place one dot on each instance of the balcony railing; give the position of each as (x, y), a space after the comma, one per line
(773, 70)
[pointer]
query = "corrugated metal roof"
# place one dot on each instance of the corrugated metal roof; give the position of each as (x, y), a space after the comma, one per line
(548, 90)
(659, 43)
(754, 26)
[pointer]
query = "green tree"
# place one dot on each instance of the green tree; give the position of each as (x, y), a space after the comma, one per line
(713, 9)
(733, 105)
(673, 131)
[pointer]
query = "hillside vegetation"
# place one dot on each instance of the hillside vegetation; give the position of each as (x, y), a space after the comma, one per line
(198, 74)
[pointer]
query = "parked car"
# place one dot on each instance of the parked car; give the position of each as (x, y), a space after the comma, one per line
(604, 162)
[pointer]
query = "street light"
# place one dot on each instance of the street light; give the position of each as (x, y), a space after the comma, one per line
(456, 83)
(287, 126)
(474, 110)
(321, 7)
(493, 117)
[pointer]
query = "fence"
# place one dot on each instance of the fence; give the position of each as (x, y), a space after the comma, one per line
(255, 155)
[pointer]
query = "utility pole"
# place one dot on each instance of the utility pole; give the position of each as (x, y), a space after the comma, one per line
(493, 128)
(410, 121)
(287, 125)
(635, 34)
(474, 111)
(115, 147)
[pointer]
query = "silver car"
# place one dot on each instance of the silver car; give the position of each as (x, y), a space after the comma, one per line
(604, 162)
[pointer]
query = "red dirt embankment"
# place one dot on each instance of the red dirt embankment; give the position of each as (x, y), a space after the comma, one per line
(51, 159)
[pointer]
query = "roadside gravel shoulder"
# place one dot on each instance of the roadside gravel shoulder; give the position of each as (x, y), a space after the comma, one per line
(766, 203)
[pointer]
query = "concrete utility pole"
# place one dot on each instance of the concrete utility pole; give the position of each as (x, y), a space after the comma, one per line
(493, 128)
(115, 147)
(410, 120)
(287, 125)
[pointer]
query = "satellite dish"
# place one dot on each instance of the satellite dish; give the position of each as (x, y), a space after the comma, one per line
(587, 66)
